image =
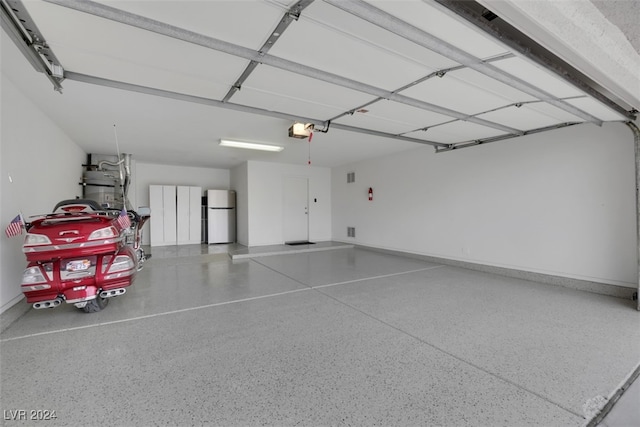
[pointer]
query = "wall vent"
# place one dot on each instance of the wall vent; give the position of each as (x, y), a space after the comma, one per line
(351, 177)
(351, 232)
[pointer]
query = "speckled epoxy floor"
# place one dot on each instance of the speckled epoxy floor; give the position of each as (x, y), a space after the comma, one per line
(336, 337)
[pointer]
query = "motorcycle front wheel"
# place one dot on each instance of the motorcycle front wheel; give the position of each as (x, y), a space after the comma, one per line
(95, 305)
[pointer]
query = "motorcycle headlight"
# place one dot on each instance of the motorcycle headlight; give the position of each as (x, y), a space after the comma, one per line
(36, 239)
(103, 233)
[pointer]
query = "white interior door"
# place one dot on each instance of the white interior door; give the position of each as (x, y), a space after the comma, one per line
(296, 209)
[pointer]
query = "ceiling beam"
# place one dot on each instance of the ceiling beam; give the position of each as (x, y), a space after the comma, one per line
(460, 145)
(289, 16)
(164, 29)
(29, 42)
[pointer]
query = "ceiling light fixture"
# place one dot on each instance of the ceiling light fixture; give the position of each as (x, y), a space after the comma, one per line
(250, 145)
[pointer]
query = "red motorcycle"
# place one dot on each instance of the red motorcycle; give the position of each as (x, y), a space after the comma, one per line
(82, 254)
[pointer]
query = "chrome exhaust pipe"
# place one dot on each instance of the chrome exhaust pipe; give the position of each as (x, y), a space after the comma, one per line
(112, 293)
(47, 304)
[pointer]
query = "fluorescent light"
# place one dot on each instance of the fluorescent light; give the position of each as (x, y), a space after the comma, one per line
(250, 145)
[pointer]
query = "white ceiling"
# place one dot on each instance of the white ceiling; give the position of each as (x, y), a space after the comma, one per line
(325, 66)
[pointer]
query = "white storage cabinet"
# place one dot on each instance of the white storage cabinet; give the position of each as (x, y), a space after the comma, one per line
(189, 215)
(175, 215)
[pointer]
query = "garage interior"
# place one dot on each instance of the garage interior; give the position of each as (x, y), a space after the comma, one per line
(469, 171)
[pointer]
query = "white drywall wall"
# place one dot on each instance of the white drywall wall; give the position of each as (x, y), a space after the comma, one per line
(239, 183)
(559, 202)
(39, 166)
(266, 198)
(152, 174)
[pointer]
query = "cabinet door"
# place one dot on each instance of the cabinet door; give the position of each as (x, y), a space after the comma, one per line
(195, 215)
(188, 210)
(169, 206)
(182, 211)
(156, 222)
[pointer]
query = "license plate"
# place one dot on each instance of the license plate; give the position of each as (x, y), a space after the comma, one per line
(78, 265)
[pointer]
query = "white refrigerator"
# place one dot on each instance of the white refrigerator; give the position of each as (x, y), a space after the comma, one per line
(221, 216)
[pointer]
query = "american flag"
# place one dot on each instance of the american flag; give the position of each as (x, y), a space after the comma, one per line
(123, 219)
(15, 226)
